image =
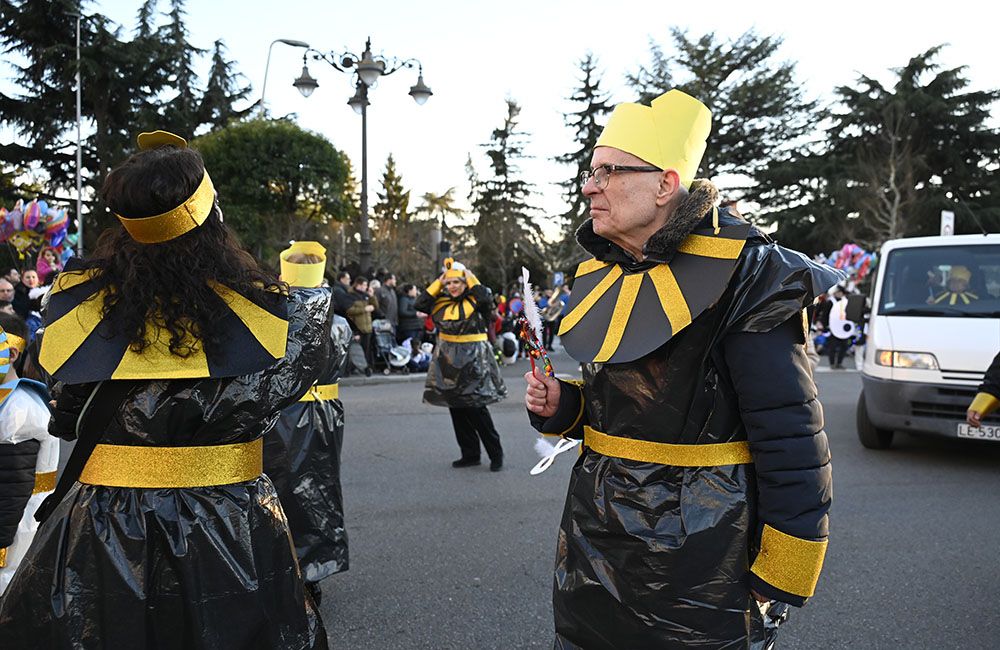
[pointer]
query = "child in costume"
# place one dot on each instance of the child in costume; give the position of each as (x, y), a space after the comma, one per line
(174, 353)
(302, 454)
(28, 454)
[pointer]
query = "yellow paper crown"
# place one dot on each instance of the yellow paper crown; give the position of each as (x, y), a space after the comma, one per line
(303, 275)
(670, 133)
(453, 269)
(960, 273)
(180, 220)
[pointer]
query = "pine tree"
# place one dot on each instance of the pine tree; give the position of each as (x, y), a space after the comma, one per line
(181, 111)
(587, 124)
(393, 203)
(892, 159)
(505, 232)
(759, 108)
(222, 90)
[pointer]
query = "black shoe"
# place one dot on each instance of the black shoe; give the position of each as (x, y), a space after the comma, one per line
(465, 462)
(496, 464)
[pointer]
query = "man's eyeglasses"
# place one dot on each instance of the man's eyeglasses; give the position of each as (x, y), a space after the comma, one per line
(602, 174)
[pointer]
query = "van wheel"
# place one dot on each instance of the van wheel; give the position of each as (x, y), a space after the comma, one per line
(871, 437)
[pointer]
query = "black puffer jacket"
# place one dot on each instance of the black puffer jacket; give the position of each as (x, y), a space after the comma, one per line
(654, 555)
(17, 479)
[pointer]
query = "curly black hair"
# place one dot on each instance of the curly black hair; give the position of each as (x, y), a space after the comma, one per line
(169, 283)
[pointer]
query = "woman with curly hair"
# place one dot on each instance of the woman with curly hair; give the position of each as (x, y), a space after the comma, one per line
(173, 355)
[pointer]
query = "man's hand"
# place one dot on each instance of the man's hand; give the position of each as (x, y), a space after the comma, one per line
(974, 418)
(542, 394)
(369, 308)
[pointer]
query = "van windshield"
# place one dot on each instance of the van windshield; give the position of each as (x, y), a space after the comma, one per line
(945, 281)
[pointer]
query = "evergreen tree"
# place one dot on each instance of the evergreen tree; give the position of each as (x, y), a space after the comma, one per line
(181, 110)
(505, 233)
(397, 238)
(393, 203)
(892, 159)
(758, 105)
(222, 90)
(587, 123)
(277, 182)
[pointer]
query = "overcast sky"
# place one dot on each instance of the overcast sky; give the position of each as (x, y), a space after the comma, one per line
(475, 54)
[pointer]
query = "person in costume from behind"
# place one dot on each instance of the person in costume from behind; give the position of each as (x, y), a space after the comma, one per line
(174, 353)
(705, 478)
(302, 454)
(463, 375)
(29, 456)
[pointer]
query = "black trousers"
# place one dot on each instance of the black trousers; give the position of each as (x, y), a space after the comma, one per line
(548, 333)
(472, 425)
(838, 349)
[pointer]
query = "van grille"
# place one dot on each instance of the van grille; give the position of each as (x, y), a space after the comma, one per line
(953, 407)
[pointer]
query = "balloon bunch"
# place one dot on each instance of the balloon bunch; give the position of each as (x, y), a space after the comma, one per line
(853, 259)
(29, 228)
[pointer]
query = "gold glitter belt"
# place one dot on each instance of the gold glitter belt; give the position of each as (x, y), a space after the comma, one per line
(322, 393)
(644, 451)
(462, 338)
(44, 482)
(173, 467)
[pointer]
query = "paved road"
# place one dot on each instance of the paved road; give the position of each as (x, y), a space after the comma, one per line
(444, 558)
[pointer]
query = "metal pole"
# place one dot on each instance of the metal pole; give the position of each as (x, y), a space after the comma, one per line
(79, 147)
(263, 86)
(365, 253)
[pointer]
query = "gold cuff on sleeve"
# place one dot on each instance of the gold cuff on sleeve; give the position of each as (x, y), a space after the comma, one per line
(789, 563)
(984, 404)
(435, 288)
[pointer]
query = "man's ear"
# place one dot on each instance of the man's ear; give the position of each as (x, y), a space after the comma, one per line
(14, 354)
(670, 184)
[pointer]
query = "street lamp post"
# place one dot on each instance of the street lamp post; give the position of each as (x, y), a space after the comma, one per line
(367, 69)
(263, 87)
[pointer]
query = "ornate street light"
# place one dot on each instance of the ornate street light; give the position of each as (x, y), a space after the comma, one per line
(367, 69)
(284, 41)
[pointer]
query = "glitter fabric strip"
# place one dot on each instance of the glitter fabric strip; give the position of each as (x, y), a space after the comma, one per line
(662, 453)
(789, 563)
(44, 482)
(174, 223)
(578, 312)
(463, 338)
(173, 467)
(619, 317)
(705, 246)
(322, 393)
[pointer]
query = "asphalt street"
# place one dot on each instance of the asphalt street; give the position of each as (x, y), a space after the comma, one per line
(446, 558)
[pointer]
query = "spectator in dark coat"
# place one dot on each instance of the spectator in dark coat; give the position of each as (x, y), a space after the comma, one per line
(341, 294)
(387, 302)
(411, 323)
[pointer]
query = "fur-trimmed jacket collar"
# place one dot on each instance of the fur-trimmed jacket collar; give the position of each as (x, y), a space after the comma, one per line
(662, 245)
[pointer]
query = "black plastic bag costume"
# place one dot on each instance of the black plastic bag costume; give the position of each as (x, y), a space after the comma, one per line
(302, 459)
(182, 567)
(705, 470)
(463, 371)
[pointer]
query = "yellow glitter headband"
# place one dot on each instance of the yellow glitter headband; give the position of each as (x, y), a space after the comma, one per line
(180, 220)
(17, 342)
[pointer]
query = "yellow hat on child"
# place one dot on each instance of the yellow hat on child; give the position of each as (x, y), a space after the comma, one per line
(303, 275)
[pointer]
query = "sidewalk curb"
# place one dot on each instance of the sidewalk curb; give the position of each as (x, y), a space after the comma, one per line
(379, 378)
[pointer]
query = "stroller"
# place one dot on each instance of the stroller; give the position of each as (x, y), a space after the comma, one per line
(387, 354)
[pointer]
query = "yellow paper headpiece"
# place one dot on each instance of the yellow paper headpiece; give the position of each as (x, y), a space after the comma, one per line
(960, 273)
(303, 275)
(180, 220)
(670, 133)
(453, 269)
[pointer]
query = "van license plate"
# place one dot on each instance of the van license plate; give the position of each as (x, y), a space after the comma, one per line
(985, 432)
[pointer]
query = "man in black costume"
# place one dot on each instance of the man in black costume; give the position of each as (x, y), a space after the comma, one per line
(705, 479)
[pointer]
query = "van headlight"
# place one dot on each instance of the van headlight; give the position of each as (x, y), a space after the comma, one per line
(896, 359)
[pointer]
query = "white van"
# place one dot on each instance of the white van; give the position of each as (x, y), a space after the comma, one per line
(934, 329)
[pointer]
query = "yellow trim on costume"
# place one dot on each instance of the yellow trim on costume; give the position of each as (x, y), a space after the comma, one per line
(66, 335)
(663, 453)
(269, 330)
(435, 288)
(176, 222)
(619, 317)
(578, 312)
(44, 482)
(984, 404)
(322, 393)
(463, 338)
(173, 467)
(671, 298)
(16, 342)
(589, 267)
(156, 360)
(579, 415)
(789, 563)
(718, 247)
(457, 310)
(3, 557)
(69, 279)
